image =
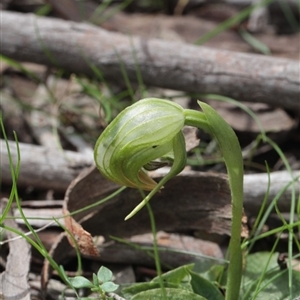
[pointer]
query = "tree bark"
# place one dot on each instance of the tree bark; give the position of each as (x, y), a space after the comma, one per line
(78, 46)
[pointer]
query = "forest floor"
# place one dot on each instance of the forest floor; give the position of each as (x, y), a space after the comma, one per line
(68, 68)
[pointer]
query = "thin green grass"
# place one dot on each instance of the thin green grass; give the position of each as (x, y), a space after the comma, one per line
(233, 21)
(264, 271)
(46, 51)
(149, 252)
(94, 18)
(103, 13)
(254, 42)
(14, 172)
(44, 10)
(264, 211)
(249, 244)
(258, 219)
(125, 76)
(155, 250)
(289, 15)
(37, 243)
(258, 225)
(141, 85)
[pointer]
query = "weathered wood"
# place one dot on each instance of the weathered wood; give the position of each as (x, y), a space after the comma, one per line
(49, 169)
(255, 188)
(189, 29)
(188, 249)
(42, 167)
(190, 202)
(45, 167)
(175, 210)
(281, 183)
(77, 46)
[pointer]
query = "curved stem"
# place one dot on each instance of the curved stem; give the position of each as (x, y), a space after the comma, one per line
(214, 124)
(178, 165)
(196, 119)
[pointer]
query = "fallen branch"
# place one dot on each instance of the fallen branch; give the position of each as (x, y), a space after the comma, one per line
(78, 46)
(41, 167)
(206, 209)
(256, 187)
(189, 29)
(49, 168)
(45, 168)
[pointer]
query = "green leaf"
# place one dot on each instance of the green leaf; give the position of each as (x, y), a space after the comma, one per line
(80, 282)
(214, 273)
(180, 275)
(137, 288)
(205, 288)
(104, 274)
(64, 275)
(95, 280)
(109, 286)
(263, 278)
(171, 293)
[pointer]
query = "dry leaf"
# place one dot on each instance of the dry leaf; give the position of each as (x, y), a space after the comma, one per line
(81, 237)
(245, 227)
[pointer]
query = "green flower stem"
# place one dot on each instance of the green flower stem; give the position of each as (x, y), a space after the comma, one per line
(229, 145)
(150, 130)
(197, 119)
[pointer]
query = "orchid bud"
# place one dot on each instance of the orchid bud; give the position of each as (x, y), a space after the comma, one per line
(142, 133)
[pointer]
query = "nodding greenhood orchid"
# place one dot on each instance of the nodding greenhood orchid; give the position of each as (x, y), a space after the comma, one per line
(150, 130)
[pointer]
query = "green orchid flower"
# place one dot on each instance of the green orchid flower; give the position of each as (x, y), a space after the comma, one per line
(136, 138)
(147, 135)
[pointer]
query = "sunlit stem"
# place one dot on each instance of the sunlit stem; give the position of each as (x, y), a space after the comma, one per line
(212, 123)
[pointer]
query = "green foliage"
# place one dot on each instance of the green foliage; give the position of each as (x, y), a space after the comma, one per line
(102, 282)
(79, 282)
(104, 274)
(179, 276)
(171, 294)
(109, 102)
(255, 43)
(180, 283)
(204, 287)
(264, 279)
(233, 21)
